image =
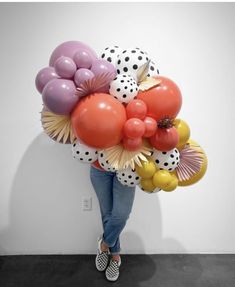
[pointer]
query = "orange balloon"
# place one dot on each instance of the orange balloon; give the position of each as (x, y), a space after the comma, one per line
(134, 128)
(98, 120)
(165, 139)
(150, 127)
(132, 144)
(162, 100)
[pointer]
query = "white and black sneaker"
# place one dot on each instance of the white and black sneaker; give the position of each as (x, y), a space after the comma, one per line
(112, 271)
(102, 257)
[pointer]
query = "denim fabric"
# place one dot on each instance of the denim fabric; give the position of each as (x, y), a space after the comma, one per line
(116, 201)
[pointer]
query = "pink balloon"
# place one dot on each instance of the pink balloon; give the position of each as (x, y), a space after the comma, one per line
(69, 49)
(65, 67)
(44, 76)
(82, 75)
(59, 96)
(83, 59)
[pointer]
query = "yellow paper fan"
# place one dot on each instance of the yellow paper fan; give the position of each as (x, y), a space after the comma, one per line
(58, 127)
(120, 158)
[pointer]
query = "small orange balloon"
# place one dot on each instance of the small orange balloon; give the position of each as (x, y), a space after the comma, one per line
(150, 127)
(98, 120)
(132, 144)
(162, 100)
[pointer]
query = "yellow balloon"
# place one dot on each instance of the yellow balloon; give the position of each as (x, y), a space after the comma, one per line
(173, 184)
(184, 132)
(147, 184)
(162, 178)
(202, 170)
(147, 169)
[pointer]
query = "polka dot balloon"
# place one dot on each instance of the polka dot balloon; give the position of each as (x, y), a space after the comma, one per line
(153, 71)
(124, 88)
(84, 153)
(128, 177)
(130, 60)
(104, 162)
(168, 160)
(111, 53)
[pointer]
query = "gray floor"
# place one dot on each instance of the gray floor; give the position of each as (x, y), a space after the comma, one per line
(136, 270)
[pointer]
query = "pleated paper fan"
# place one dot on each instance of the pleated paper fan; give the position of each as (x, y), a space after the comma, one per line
(58, 127)
(121, 158)
(191, 160)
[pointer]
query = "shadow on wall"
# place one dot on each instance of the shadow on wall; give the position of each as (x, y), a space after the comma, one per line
(45, 208)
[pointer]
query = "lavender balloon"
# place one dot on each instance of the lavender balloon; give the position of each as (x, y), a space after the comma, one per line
(65, 67)
(69, 49)
(59, 96)
(102, 66)
(44, 76)
(82, 75)
(83, 59)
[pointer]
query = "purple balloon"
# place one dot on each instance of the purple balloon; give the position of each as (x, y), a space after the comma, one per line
(83, 59)
(82, 75)
(69, 49)
(65, 67)
(102, 66)
(44, 76)
(59, 96)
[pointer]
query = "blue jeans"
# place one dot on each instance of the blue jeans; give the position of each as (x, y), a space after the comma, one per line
(115, 202)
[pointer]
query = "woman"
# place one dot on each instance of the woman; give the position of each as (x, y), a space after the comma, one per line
(115, 201)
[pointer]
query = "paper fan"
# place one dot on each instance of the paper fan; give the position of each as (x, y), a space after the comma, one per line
(121, 158)
(58, 127)
(94, 84)
(190, 163)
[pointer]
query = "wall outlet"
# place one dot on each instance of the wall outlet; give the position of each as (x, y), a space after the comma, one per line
(86, 203)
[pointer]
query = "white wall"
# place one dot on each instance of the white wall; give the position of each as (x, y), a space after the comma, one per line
(42, 186)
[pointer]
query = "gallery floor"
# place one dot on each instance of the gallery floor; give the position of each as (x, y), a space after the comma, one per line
(136, 270)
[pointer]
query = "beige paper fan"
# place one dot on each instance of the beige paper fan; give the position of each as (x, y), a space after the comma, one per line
(120, 158)
(58, 127)
(148, 83)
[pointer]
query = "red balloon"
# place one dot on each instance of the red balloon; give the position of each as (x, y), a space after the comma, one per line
(165, 139)
(162, 100)
(132, 144)
(136, 109)
(98, 120)
(150, 127)
(134, 128)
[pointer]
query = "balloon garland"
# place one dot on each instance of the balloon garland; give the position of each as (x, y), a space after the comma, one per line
(119, 114)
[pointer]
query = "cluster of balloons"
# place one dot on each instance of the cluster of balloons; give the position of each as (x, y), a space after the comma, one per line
(122, 112)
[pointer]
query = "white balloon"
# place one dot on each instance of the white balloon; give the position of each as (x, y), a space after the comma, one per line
(84, 153)
(168, 160)
(130, 60)
(124, 88)
(104, 162)
(128, 177)
(111, 54)
(153, 70)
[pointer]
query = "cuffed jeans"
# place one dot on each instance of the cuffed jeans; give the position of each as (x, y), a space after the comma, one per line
(116, 201)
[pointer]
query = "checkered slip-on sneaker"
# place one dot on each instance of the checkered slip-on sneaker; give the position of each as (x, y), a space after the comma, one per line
(112, 271)
(102, 257)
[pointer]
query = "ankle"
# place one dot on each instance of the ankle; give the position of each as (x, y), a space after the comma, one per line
(104, 247)
(116, 257)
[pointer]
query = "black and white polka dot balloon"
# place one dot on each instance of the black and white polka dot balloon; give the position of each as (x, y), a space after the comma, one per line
(130, 60)
(153, 70)
(111, 53)
(124, 88)
(84, 153)
(104, 162)
(128, 177)
(168, 160)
